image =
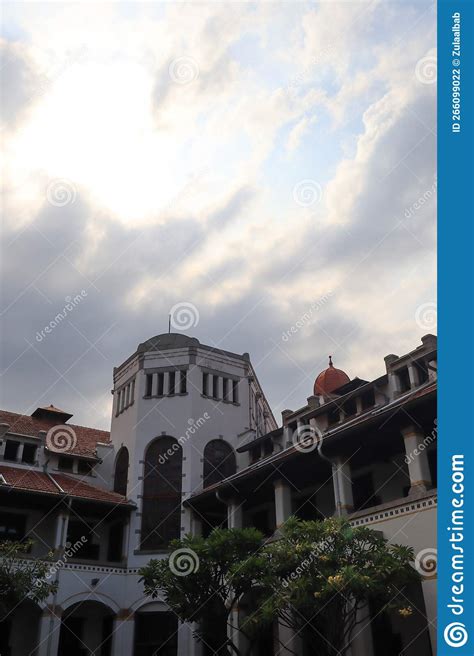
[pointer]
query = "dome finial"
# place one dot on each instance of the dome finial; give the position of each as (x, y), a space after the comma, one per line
(330, 361)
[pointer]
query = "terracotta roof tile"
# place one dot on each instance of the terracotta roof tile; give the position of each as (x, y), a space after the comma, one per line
(86, 438)
(30, 480)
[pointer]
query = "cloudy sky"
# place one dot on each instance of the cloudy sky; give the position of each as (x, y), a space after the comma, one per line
(271, 166)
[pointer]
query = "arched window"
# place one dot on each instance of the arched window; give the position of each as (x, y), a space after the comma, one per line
(219, 462)
(121, 471)
(161, 506)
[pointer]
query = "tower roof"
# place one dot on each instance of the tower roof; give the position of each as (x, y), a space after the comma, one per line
(330, 379)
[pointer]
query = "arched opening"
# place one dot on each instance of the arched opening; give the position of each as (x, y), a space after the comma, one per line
(121, 471)
(156, 631)
(219, 462)
(161, 504)
(86, 628)
(19, 631)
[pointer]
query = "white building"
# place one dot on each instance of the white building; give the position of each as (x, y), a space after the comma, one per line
(192, 439)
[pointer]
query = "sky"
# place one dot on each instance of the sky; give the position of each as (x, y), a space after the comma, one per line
(263, 172)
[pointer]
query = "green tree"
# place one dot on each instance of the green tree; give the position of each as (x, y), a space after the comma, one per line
(322, 573)
(203, 580)
(21, 578)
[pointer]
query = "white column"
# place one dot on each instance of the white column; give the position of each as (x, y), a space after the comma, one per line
(417, 460)
(287, 641)
(429, 593)
(154, 384)
(283, 506)
(50, 627)
(413, 375)
(234, 514)
(362, 643)
(233, 632)
(342, 481)
(62, 523)
(122, 636)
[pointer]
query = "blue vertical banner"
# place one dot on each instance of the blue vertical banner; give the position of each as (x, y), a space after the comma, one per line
(456, 327)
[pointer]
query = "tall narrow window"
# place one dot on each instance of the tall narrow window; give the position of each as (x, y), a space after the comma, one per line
(149, 384)
(132, 391)
(161, 384)
(235, 391)
(121, 471)
(215, 387)
(172, 382)
(182, 381)
(161, 507)
(205, 384)
(219, 462)
(225, 389)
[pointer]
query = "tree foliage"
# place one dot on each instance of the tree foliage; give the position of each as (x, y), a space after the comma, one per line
(21, 578)
(315, 578)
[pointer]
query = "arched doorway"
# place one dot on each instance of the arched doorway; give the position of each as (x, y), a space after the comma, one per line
(19, 631)
(219, 462)
(86, 628)
(161, 505)
(156, 631)
(121, 471)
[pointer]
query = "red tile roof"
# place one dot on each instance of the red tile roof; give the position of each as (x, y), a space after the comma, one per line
(31, 480)
(86, 440)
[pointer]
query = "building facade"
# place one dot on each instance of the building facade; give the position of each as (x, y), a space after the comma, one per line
(194, 445)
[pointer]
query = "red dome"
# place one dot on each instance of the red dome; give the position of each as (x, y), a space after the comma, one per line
(330, 379)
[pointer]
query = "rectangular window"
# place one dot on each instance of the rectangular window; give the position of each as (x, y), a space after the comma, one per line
(29, 453)
(235, 391)
(225, 389)
(215, 387)
(205, 384)
(65, 463)
(368, 399)
(333, 416)
(132, 391)
(127, 396)
(84, 467)
(11, 450)
(350, 408)
(182, 381)
(161, 384)
(172, 383)
(12, 527)
(404, 379)
(148, 384)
